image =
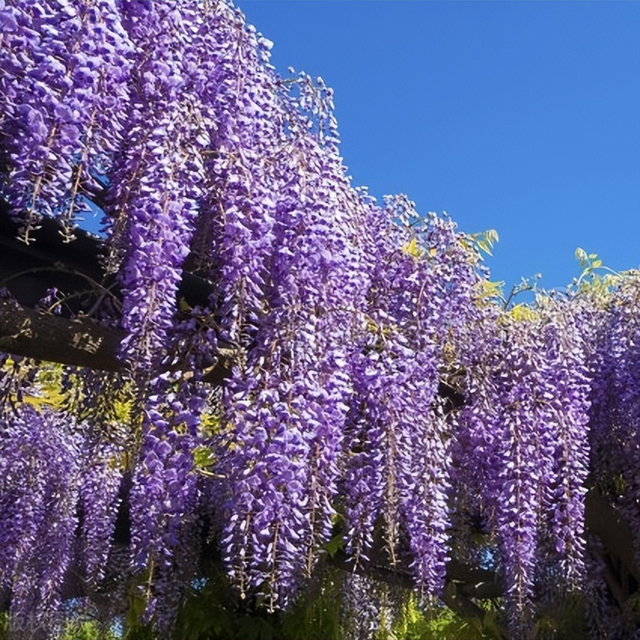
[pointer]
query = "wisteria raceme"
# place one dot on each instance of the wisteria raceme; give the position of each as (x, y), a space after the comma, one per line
(378, 399)
(155, 188)
(524, 460)
(293, 393)
(365, 471)
(567, 401)
(64, 94)
(163, 501)
(521, 455)
(243, 177)
(297, 369)
(368, 608)
(99, 500)
(397, 386)
(39, 488)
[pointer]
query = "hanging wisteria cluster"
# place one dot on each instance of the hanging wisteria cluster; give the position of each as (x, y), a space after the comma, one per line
(379, 394)
(58, 488)
(522, 448)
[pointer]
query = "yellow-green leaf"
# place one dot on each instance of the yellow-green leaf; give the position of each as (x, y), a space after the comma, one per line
(412, 248)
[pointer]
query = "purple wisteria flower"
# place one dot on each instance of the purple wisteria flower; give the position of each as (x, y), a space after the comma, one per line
(64, 93)
(345, 319)
(521, 449)
(39, 489)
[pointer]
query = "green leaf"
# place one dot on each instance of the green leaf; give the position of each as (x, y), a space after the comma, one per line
(522, 312)
(203, 457)
(334, 545)
(484, 241)
(413, 248)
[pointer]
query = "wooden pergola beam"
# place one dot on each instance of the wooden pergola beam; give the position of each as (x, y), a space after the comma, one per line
(76, 269)
(79, 342)
(44, 336)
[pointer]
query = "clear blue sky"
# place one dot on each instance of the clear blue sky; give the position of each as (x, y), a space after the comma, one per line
(518, 116)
